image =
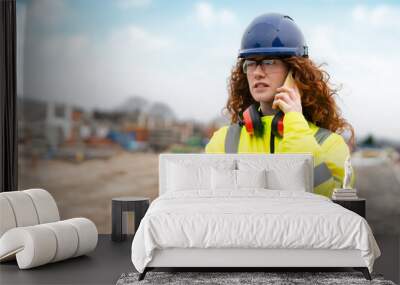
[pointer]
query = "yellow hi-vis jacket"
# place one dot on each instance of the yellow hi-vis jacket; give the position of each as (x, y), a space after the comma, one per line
(328, 148)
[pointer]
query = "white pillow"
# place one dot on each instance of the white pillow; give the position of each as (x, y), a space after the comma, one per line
(193, 175)
(293, 180)
(251, 178)
(187, 177)
(229, 179)
(223, 179)
(281, 174)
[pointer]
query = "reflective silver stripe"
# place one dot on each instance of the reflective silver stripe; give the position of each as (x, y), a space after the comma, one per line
(321, 174)
(321, 135)
(232, 138)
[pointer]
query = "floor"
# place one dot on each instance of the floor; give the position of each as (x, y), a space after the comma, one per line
(102, 266)
(389, 262)
(111, 259)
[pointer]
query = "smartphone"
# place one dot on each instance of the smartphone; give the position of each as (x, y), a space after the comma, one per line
(289, 82)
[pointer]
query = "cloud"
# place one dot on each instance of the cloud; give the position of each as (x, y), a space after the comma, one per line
(81, 70)
(138, 38)
(128, 4)
(187, 68)
(208, 16)
(47, 14)
(380, 16)
(362, 61)
(65, 46)
(320, 41)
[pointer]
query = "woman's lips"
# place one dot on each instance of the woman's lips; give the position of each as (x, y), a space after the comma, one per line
(260, 87)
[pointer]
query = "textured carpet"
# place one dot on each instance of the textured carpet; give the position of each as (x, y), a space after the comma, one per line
(284, 278)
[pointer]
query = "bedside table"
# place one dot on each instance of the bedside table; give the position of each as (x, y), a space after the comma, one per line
(138, 205)
(357, 205)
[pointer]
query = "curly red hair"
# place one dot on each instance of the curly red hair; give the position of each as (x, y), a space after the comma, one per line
(318, 104)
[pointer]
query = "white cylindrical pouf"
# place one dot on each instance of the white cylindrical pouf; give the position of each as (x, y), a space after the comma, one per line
(23, 207)
(45, 205)
(37, 245)
(67, 239)
(87, 233)
(7, 218)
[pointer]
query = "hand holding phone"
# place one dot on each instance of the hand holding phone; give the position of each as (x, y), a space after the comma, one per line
(288, 96)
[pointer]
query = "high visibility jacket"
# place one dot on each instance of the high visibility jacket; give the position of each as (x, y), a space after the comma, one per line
(300, 136)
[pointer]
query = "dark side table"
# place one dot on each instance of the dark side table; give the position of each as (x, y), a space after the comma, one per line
(138, 205)
(357, 205)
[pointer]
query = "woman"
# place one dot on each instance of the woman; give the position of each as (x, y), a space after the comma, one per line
(278, 117)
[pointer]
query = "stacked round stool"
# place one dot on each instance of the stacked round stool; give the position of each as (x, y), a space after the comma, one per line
(138, 205)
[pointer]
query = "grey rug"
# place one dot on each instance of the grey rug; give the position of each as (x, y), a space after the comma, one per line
(284, 278)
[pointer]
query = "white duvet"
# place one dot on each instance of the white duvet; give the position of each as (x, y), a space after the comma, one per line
(252, 218)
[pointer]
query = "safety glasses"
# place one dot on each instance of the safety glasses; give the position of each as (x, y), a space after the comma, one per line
(267, 65)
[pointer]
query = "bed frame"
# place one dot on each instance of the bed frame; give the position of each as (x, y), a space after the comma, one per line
(246, 259)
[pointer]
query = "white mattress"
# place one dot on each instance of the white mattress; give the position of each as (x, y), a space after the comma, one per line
(252, 218)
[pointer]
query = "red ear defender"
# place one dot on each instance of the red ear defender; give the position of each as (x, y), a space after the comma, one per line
(254, 126)
(252, 121)
(248, 122)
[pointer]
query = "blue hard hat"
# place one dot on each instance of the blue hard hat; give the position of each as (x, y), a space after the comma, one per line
(273, 34)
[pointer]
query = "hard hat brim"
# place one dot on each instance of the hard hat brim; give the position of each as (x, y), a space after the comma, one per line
(273, 51)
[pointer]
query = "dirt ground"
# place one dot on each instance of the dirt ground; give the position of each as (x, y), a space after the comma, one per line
(85, 189)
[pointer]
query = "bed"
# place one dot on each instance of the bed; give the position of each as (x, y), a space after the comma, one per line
(247, 210)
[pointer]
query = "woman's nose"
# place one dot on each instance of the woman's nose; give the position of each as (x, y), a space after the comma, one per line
(258, 72)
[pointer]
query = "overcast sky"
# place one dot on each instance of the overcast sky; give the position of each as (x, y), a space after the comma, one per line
(97, 53)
